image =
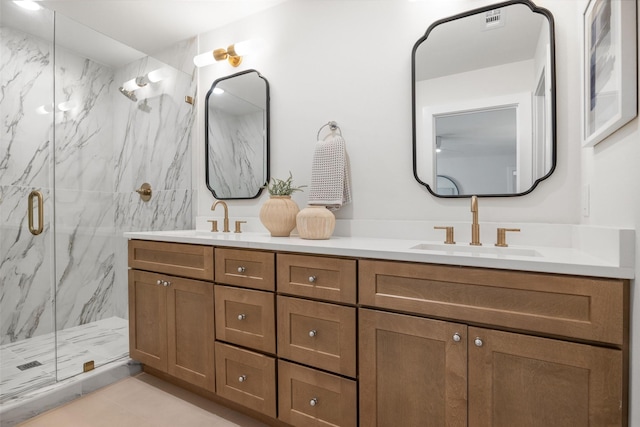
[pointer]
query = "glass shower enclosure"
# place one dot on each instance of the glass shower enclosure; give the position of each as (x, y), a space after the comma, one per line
(73, 150)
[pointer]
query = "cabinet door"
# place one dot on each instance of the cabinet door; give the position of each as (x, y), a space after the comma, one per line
(190, 331)
(147, 319)
(520, 380)
(413, 371)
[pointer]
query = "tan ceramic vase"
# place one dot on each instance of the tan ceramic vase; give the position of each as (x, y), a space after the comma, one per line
(315, 223)
(278, 215)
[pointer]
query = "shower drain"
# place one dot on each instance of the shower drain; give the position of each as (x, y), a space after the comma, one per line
(29, 365)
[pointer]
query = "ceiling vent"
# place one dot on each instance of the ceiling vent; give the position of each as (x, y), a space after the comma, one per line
(494, 19)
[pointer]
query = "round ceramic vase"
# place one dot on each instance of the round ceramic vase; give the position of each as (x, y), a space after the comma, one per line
(315, 223)
(278, 215)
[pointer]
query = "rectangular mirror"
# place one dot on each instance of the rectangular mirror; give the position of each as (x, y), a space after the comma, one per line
(484, 102)
(237, 136)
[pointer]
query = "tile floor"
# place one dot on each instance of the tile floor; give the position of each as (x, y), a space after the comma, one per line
(141, 401)
(101, 341)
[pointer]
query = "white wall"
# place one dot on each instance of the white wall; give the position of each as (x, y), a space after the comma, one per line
(349, 61)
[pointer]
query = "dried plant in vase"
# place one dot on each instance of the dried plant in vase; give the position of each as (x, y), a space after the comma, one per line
(278, 214)
(279, 187)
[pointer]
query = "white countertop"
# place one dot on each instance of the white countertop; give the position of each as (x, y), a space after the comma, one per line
(560, 260)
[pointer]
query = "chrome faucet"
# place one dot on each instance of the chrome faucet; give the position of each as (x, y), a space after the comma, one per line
(226, 214)
(475, 227)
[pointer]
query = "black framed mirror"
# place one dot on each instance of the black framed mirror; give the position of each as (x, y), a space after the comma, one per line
(237, 136)
(483, 97)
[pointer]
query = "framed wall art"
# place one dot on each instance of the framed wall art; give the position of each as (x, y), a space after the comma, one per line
(610, 70)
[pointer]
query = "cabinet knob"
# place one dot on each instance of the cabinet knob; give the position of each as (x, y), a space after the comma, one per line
(166, 283)
(159, 282)
(313, 333)
(242, 378)
(242, 316)
(478, 342)
(313, 402)
(457, 337)
(241, 269)
(312, 279)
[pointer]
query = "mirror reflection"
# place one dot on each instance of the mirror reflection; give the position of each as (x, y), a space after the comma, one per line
(484, 101)
(237, 135)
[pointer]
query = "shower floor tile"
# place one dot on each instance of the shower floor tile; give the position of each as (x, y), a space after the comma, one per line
(101, 341)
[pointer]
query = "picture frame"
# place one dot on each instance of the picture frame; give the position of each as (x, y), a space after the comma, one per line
(610, 68)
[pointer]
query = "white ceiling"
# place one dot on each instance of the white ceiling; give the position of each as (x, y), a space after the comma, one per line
(153, 25)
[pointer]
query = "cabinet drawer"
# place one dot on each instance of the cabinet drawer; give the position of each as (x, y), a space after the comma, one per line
(246, 268)
(566, 306)
(317, 334)
(246, 378)
(246, 317)
(312, 398)
(179, 259)
(332, 279)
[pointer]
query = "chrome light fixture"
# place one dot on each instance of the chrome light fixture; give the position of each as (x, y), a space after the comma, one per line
(233, 54)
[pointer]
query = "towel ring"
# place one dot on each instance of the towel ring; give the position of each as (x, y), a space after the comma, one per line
(332, 125)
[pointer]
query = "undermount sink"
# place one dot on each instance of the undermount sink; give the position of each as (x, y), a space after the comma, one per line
(477, 250)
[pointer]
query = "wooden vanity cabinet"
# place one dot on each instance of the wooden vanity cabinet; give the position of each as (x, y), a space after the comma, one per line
(246, 328)
(170, 313)
(514, 341)
(411, 370)
(171, 326)
(317, 340)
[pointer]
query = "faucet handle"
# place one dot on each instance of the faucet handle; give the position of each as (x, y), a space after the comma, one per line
(449, 234)
(502, 236)
(238, 224)
(214, 225)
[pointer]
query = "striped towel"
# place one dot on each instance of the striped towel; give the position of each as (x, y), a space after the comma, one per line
(330, 180)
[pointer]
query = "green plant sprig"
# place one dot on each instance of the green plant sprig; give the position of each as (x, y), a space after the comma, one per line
(279, 187)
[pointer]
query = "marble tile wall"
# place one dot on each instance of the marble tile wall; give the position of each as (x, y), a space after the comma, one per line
(26, 138)
(236, 166)
(105, 147)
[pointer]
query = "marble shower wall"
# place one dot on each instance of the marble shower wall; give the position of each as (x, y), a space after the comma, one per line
(26, 141)
(106, 146)
(236, 165)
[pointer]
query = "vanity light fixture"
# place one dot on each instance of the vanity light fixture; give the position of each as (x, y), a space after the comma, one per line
(63, 107)
(27, 4)
(233, 54)
(138, 82)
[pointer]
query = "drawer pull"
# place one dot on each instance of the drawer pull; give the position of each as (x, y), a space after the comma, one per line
(242, 316)
(478, 342)
(241, 269)
(312, 279)
(313, 333)
(242, 378)
(456, 337)
(313, 402)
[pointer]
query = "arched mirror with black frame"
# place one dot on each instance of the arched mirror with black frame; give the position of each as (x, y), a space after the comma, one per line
(237, 136)
(483, 97)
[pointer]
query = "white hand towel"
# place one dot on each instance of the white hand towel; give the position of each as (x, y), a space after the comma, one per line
(330, 176)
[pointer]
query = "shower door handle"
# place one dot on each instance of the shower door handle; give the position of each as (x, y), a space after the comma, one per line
(35, 194)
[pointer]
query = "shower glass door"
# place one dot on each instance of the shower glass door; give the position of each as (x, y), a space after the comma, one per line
(27, 296)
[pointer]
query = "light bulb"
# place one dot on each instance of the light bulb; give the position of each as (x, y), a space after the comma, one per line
(204, 59)
(247, 47)
(130, 85)
(157, 75)
(27, 4)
